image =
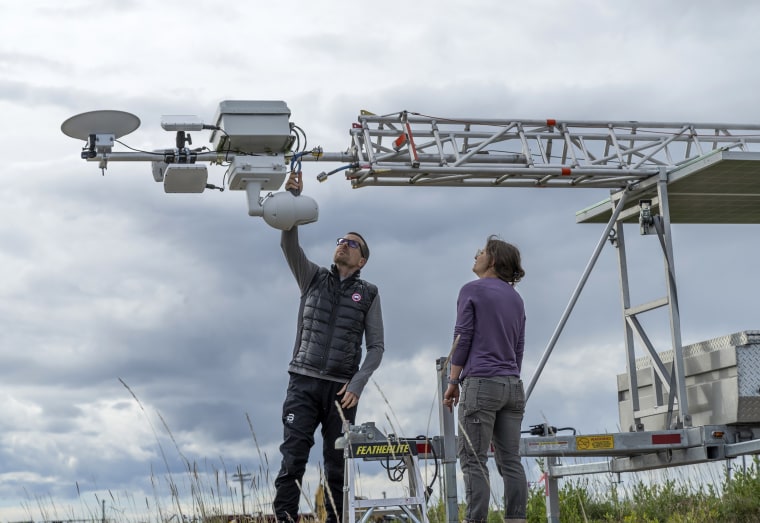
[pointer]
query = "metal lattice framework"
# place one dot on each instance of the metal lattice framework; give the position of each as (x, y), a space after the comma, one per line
(413, 149)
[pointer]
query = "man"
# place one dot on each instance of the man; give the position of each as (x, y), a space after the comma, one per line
(486, 361)
(337, 308)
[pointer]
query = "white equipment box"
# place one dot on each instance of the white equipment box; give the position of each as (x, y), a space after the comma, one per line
(722, 384)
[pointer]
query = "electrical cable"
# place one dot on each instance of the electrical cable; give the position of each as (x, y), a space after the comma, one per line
(428, 443)
(323, 175)
(398, 470)
(542, 429)
(157, 153)
(298, 132)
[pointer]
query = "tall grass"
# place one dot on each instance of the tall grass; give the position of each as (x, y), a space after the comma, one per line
(680, 500)
(202, 493)
(734, 499)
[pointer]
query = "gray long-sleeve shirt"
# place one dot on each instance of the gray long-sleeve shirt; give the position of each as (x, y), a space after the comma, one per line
(304, 270)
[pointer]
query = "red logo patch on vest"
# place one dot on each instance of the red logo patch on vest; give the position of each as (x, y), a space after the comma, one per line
(356, 297)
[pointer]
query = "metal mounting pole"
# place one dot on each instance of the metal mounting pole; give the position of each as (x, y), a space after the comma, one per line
(576, 294)
(630, 350)
(666, 239)
(551, 500)
(449, 459)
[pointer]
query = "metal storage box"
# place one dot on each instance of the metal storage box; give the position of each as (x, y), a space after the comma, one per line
(255, 127)
(722, 378)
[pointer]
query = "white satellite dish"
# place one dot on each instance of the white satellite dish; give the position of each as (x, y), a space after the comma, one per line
(117, 123)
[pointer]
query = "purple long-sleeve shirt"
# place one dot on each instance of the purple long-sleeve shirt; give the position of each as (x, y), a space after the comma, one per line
(491, 328)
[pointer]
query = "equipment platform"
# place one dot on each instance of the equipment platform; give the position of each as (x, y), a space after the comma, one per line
(719, 187)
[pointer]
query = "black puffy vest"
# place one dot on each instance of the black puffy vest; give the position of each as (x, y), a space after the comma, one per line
(331, 325)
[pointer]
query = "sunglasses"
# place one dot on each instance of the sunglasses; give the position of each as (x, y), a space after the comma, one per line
(351, 243)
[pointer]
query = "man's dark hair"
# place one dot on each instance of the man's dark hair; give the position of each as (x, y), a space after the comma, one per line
(362, 244)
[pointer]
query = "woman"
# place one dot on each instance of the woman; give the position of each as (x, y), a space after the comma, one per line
(486, 362)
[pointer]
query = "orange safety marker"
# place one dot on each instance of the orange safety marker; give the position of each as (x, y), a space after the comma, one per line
(399, 142)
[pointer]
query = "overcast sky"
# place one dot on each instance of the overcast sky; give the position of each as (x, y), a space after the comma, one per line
(141, 331)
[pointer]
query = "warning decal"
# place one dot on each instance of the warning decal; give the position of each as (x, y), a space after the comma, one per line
(540, 446)
(601, 442)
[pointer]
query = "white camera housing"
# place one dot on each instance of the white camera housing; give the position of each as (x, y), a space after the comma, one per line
(268, 171)
(181, 122)
(185, 178)
(283, 210)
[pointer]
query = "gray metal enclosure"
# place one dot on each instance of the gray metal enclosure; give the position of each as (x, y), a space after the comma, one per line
(722, 379)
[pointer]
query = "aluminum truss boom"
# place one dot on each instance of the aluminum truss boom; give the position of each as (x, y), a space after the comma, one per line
(408, 148)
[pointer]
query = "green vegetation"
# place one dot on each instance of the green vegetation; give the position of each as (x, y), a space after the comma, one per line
(671, 501)
(204, 495)
(585, 499)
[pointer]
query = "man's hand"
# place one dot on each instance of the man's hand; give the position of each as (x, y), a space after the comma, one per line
(294, 183)
(349, 399)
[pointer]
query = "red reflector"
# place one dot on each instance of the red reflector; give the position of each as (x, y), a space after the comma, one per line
(423, 448)
(665, 439)
(356, 125)
(566, 171)
(551, 122)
